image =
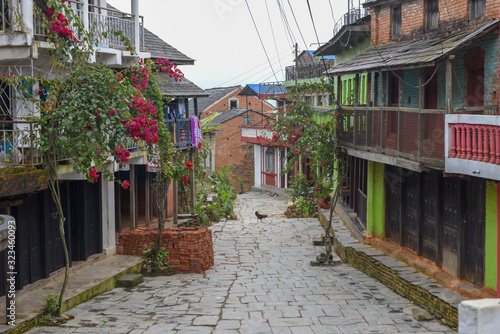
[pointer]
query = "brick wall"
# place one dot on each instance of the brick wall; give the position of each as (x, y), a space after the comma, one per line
(224, 105)
(190, 248)
(453, 16)
(231, 151)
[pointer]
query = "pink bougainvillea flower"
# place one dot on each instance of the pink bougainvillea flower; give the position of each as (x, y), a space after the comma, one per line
(125, 184)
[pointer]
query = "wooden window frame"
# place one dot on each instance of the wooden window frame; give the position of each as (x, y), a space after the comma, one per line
(431, 15)
(396, 17)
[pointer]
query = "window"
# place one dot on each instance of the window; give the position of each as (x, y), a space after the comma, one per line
(269, 160)
(396, 21)
(432, 14)
(477, 9)
(319, 100)
(309, 100)
(247, 120)
(233, 104)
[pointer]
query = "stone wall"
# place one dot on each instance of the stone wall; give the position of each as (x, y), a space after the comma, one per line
(190, 249)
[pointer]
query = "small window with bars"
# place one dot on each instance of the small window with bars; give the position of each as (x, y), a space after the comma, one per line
(477, 9)
(432, 14)
(396, 21)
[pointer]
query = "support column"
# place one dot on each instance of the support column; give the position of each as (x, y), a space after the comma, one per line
(135, 14)
(449, 84)
(175, 194)
(85, 19)
(400, 113)
(133, 198)
(108, 217)
(421, 106)
(147, 202)
(191, 177)
(27, 17)
(356, 104)
(383, 116)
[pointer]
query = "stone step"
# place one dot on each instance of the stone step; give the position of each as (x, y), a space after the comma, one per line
(130, 280)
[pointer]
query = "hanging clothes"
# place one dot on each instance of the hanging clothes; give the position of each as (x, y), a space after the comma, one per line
(196, 134)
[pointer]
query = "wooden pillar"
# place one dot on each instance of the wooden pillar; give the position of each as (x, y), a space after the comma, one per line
(383, 117)
(400, 112)
(449, 84)
(421, 106)
(339, 92)
(176, 195)
(147, 204)
(191, 177)
(118, 208)
(356, 104)
(133, 198)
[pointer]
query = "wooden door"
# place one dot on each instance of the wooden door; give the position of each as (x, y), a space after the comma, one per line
(430, 216)
(412, 210)
(393, 199)
(452, 222)
(474, 232)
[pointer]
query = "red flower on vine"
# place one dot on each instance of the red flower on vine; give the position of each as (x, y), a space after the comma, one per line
(93, 174)
(189, 166)
(125, 184)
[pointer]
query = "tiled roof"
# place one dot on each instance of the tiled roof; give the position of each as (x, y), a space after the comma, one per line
(158, 47)
(180, 89)
(215, 95)
(225, 116)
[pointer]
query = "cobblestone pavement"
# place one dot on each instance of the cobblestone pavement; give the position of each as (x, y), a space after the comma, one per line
(262, 282)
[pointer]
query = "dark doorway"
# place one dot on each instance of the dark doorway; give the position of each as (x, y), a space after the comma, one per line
(452, 218)
(393, 198)
(412, 210)
(430, 216)
(474, 230)
(474, 62)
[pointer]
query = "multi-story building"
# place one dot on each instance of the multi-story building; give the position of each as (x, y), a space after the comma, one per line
(92, 211)
(423, 146)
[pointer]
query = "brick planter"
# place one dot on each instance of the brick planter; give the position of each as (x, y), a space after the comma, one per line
(190, 249)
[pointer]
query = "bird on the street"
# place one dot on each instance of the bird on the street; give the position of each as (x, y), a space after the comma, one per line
(259, 216)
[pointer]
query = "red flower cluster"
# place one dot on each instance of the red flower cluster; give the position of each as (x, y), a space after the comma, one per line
(123, 155)
(165, 65)
(60, 24)
(125, 184)
(93, 174)
(143, 127)
(185, 179)
(142, 78)
(189, 166)
(111, 112)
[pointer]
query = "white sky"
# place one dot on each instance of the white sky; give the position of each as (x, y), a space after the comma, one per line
(221, 37)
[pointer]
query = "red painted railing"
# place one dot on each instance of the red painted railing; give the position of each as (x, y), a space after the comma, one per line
(477, 142)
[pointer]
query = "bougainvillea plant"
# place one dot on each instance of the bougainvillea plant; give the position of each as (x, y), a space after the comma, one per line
(91, 114)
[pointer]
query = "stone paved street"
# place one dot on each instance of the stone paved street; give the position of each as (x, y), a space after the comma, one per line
(262, 282)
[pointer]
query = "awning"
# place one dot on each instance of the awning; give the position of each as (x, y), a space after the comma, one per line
(179, 89)
(409, 54)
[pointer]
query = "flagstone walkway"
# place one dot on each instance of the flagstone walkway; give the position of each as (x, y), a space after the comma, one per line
(262, 282)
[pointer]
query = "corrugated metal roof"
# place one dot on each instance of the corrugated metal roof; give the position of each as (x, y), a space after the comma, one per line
(417, 53)
(180, 89)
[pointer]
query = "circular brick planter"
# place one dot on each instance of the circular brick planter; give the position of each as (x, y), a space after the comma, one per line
(190, 249)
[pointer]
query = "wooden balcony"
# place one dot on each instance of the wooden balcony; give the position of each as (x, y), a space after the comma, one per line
(407, 137)
(473, 145)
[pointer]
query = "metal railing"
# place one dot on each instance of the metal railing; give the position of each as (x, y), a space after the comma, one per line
(100, 20)
(17, 143)
(350, 17)
(410, 133)
(309, 70)
(180, 131)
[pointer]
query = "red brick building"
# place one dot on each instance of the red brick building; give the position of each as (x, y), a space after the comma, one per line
(234, 111)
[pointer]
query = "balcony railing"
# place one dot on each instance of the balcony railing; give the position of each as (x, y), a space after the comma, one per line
(17, 143)
(399, 132)
(473, 145)
(350, 17)
(100, 20)
(309, 70)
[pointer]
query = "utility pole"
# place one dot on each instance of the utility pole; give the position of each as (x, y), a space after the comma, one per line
(296, 67)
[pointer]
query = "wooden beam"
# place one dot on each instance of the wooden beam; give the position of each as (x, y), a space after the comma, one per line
(421, 106)
(176, 195)
(400, 112)
(339, 91)
(147, 194)
(384, 114)
(133, 198)
(191, 177)
(356, 104)
(449, 83)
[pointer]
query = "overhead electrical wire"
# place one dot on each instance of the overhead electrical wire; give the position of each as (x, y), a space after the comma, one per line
(250, 70)
(297, 23)
(261, 42)
(274, 38)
